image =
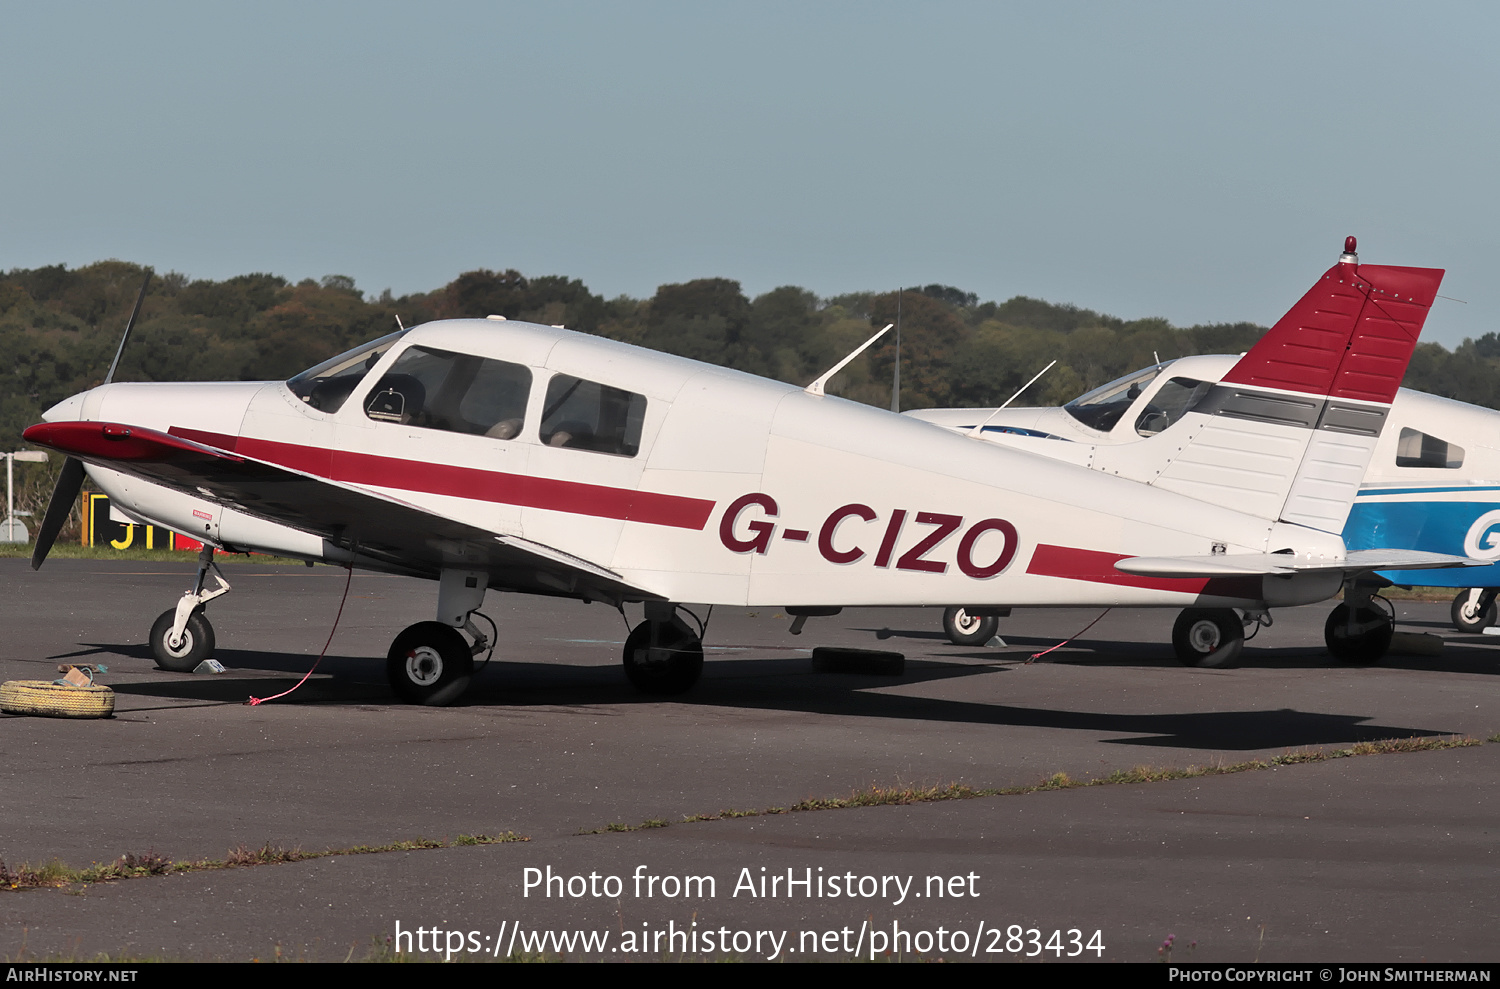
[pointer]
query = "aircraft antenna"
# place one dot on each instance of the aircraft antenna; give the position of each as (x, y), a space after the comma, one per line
(399, 324)
(816, 388)
(128, 324)
(896, 377)
(977, 429)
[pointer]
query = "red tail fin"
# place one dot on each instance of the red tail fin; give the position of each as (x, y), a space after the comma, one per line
(1351, 336)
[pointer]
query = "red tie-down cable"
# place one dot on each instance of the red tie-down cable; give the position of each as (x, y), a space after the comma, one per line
(1038, 655)
(349, 567)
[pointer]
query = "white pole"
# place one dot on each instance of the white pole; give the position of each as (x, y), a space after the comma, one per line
(29, 456)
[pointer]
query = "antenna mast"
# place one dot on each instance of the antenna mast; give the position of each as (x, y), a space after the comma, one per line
(896, 379)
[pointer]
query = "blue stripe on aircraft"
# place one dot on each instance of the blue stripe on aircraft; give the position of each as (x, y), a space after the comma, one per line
(1470, 488)
(1430, 526)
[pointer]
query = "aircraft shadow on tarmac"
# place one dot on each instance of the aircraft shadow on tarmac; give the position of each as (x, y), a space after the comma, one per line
(758, 683)
(1461, 653)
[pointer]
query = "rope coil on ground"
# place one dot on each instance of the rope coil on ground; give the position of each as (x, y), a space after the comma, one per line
(50, 700)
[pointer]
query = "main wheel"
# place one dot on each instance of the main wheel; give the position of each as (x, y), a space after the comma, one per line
(197, 642)
(1210, 638)
(1466, 619)
(964, 629)
(670, 666)
(429, 663)
(1373, 629)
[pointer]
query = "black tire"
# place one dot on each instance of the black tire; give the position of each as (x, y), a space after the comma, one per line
(429, 663)
(1208, 638)
(964, 629)
(197, 642)
(1362, 648)
(1477, 623)
(672, 667)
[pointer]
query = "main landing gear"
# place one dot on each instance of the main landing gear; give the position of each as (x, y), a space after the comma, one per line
(182, 637)
(663, 655)
(1359, 631)
(431, 663)
(1209, 638)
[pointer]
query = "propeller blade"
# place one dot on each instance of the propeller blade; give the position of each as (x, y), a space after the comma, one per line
(130, 323)
(69, 483)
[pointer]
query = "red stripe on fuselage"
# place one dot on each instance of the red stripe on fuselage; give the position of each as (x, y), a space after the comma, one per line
(573, 497)
(1092, 565)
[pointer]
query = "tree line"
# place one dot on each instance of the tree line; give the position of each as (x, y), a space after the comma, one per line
(59, 329)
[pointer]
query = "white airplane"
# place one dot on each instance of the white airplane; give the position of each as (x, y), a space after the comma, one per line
(492, 454)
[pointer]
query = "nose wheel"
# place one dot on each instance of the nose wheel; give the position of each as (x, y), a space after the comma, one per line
(182, 652)
(1473, 609)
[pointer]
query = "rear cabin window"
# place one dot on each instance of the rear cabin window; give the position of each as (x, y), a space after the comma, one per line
(585, 415)
(457, 393)
(1417, 449)
(1170, 403)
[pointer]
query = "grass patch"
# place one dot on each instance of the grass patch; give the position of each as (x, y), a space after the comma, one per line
(1415, 593)
(877, 796)
(55, 874)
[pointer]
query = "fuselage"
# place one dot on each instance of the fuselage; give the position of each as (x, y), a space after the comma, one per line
(696, 483)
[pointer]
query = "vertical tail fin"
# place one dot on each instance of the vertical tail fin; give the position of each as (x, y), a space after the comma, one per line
(1290, 430)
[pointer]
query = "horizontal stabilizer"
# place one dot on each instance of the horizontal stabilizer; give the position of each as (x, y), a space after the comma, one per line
(1260, 564)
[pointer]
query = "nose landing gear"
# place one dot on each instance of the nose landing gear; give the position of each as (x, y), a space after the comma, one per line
(1473, 609)
(182, 637)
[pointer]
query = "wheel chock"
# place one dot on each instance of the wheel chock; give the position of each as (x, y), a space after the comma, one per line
(877, 662)
(1416, 644)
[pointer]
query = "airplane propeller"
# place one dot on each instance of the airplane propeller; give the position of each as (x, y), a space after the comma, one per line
(70, 481)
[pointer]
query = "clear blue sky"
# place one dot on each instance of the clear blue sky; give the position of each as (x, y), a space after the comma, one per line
(1198, 161)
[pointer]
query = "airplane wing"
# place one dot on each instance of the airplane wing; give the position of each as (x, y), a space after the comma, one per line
(384, 533)
(1259, 564)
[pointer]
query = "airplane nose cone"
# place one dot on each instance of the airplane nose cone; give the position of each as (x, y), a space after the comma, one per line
(68, 410)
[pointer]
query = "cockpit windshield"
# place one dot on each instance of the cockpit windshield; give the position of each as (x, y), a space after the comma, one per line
(325, 386)
(1101, 408)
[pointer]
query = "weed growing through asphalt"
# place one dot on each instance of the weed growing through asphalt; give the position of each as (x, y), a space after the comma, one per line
(877, 796)
(131, 866)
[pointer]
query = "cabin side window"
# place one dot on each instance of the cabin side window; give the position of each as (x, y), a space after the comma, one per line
(1170, 403)
(457, 393)
(586, 415)
(1417, 449)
